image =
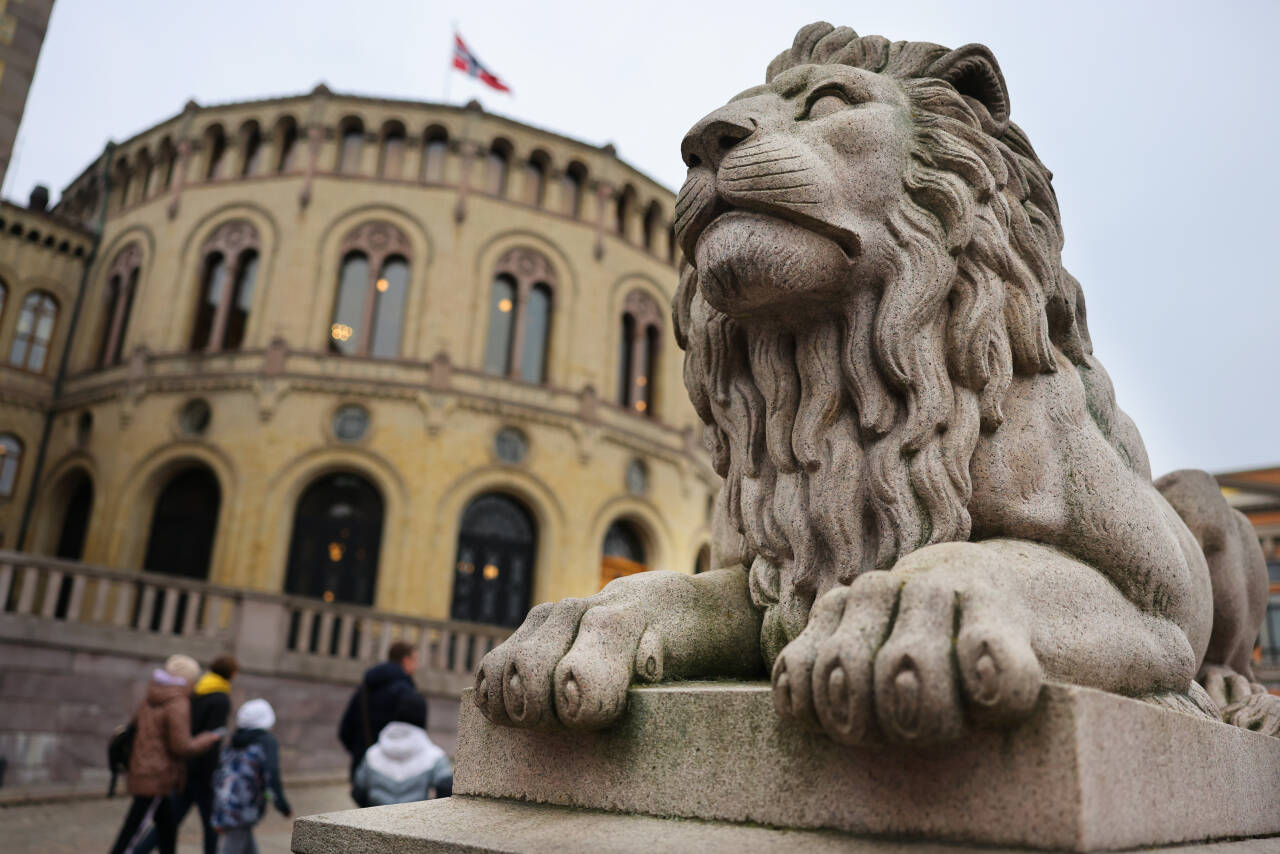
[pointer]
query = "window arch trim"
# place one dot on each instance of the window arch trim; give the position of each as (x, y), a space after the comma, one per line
(126, 271)
(529, 269)
(381, 243)
(237, 241)
(646, 330)
(40, 304)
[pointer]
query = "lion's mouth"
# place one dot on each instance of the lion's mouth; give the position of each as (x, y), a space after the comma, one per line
(846, 240)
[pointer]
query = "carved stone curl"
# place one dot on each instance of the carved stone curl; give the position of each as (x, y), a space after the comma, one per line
(931, 501)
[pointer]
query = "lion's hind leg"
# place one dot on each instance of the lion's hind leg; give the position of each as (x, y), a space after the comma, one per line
(1238, 573)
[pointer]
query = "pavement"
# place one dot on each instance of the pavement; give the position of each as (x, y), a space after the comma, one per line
(89, 826)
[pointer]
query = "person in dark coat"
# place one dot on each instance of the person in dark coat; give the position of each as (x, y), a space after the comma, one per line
(210, 710)
(374, 703)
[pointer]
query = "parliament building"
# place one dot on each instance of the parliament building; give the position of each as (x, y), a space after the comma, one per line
(404, 355)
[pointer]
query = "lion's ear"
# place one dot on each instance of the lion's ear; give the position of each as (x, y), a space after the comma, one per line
(975, 74)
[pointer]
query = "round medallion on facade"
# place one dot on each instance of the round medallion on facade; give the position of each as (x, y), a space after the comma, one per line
(350, 423)
(511, 445)
(637, 477)
(194, 417)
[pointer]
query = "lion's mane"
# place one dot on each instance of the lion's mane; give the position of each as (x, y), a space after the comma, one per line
(867, 422)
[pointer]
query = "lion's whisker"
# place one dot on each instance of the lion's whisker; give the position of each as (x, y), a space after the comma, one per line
(764, 175)
(730, 164)
(803, 186)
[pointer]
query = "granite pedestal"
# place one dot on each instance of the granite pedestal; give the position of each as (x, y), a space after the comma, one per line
(1088, 771)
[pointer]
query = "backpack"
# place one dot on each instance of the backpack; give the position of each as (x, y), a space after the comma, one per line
(119, 749)
(238, 787)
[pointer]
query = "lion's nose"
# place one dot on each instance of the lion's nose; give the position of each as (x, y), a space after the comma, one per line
(709, 140)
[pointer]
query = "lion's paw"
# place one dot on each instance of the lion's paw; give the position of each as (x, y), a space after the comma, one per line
(1256, 712)
(906, 659)
(1224, 685)
(569, 664)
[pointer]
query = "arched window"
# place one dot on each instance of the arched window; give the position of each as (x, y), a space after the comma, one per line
(241, 301)
(216, 144)
(352, 146)
(213, 283)
(10, 462)
(251, 138)
(493, 572)
(638, 352)
(502, 312)
(622, 552)
(496, 164)
(373, 284)
(574, 183)
(626, 371)
(520, 314)
(652, 225)
(123, 182)
(622, 212)
(287, 145)
(391, 158)
(122, 286)
(226, 290)
(168, 162)
(535, 179)
(146, 171)
(31, 339)
(337, 535)
(702, 562)
(78, 489)
(183, 524)
(433, 155)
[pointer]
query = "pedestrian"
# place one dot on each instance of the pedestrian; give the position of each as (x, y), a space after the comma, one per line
(405, 764)
(210, 709)
(248, 770)
(161, 745)
(374, 702)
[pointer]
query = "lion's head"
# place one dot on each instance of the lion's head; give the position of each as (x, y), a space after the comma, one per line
(874, 253)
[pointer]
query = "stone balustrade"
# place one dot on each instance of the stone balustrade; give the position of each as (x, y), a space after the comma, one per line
(67, 604)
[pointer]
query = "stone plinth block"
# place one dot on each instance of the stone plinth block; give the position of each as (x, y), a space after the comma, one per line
(1088, 771)
(468, 825)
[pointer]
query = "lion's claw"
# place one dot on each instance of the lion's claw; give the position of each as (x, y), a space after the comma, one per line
(906, 658)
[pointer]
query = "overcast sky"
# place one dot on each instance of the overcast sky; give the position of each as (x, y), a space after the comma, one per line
(1160, 122)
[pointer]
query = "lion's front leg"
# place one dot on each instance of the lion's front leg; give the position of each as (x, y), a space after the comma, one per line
(964, 633)
(572, 661)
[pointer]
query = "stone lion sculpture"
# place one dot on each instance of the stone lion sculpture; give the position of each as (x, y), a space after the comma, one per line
(931, 501)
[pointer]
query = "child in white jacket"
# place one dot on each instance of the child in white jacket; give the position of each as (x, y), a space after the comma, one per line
(404, 764)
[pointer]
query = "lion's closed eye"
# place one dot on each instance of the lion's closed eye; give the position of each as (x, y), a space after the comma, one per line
(824, 102)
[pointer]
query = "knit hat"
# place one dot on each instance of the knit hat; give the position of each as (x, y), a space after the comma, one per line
(256, 714)
(412, 709)
(184, 667)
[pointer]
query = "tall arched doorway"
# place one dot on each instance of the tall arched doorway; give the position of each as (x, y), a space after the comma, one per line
(337, 533)
(493, 574)
(623, 551)
(183, 524)
(78, 490)
(75, 492)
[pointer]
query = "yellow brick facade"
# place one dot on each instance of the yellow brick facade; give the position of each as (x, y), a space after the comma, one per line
(433, 410)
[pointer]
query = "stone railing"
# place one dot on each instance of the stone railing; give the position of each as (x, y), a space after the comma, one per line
(72, 605)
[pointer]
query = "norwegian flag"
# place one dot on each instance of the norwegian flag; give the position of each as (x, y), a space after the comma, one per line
(464, 60)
